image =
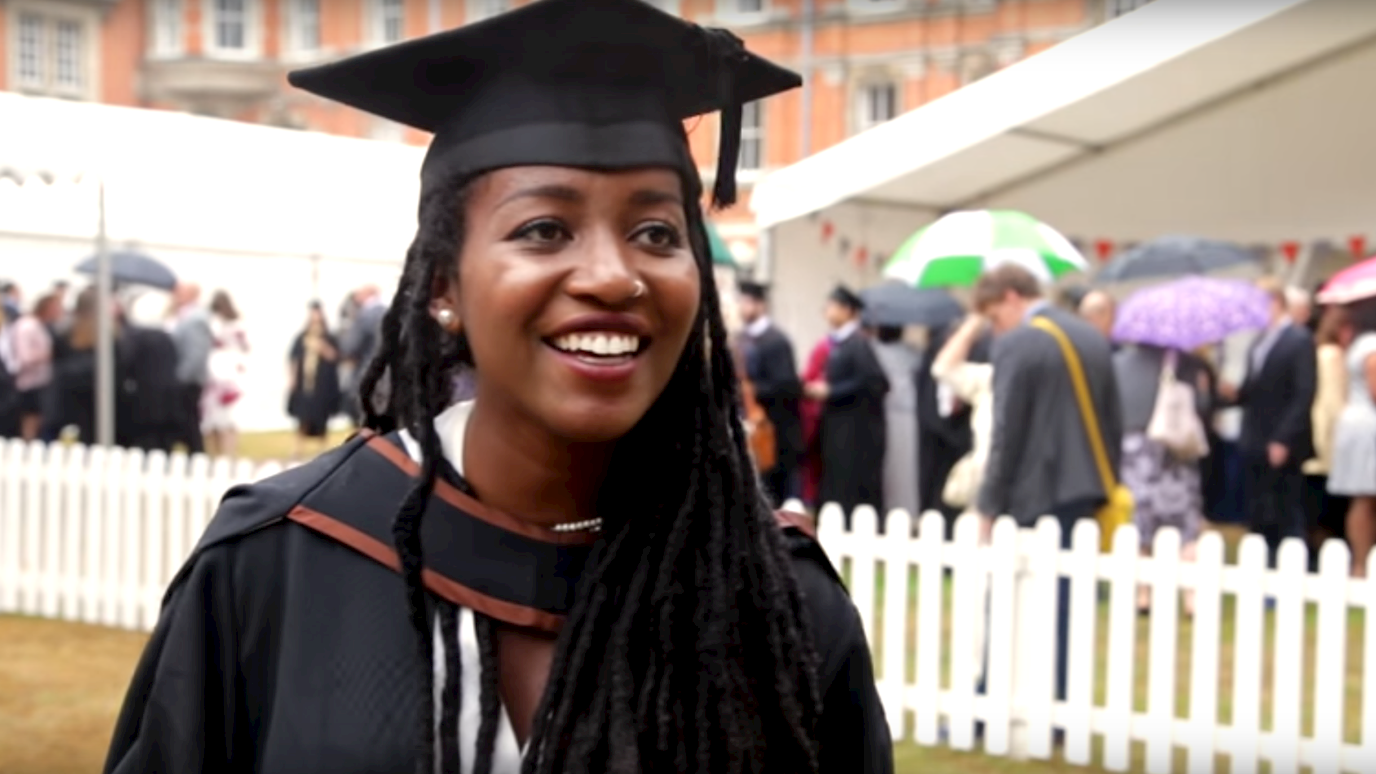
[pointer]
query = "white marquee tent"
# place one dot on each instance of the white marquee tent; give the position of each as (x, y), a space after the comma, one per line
(274, 216)
(1249, 121)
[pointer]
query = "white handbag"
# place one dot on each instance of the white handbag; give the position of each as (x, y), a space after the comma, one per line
(1175, 423)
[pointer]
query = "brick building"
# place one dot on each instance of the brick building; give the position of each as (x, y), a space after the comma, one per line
(866, 61)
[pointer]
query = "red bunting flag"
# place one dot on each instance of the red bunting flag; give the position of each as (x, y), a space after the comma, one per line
(1103, 248)
(1358, 246)
(861, 256)
(1291, 250)
(828, 229)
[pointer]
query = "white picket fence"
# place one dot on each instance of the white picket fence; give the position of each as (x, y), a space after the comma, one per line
(95, 535)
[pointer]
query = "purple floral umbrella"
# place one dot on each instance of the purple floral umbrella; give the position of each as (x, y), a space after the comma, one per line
(1191, 312)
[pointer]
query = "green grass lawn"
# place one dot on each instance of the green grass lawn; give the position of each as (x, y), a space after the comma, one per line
(277, 446)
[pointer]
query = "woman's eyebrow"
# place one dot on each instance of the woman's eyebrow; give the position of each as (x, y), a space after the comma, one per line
(649, 196)
(560, 192)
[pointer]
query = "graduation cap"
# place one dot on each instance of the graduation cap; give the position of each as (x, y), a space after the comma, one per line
(596, 84)
(845, 297)
(753, 290)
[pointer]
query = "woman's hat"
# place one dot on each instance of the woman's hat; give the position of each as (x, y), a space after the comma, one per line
(599, 84)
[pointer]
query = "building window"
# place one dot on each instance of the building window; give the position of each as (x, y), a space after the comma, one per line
(303, 25)
(166, 37)
(752, 138)
(740, 7)
(233, 28)
(32, 51)
(231, 24)
(877, 103)
(69, 72)
(53, 52)
(482, 9)
(388, 22)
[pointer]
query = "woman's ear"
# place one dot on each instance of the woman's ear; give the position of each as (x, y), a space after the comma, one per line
(444, 304)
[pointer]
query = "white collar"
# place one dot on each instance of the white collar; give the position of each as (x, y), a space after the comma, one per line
(451, 425)
(844, 332)
(758, 327)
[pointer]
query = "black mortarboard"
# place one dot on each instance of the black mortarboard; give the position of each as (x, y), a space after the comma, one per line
(843, 296)
(598, 84)
(753, 290)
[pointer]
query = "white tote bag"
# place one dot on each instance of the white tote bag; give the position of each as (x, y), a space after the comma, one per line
(1174, 421)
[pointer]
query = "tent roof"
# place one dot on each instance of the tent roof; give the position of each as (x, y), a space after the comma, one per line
(1094, 101)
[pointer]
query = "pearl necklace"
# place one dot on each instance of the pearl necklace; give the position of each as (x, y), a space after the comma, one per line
(593, 525)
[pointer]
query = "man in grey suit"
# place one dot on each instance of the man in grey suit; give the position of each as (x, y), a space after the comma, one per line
(1041, 462)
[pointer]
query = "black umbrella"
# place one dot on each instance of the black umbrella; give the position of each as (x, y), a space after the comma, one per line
(130, 268)
(1174, 256)
(896, 304)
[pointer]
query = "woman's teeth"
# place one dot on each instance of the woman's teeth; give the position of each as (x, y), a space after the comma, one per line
(598, 344)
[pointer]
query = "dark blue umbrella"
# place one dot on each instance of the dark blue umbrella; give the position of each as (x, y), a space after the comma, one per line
(1174, 256)
(896, 304)
(130, 268)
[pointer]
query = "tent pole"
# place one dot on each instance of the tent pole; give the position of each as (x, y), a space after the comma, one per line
(105, 339)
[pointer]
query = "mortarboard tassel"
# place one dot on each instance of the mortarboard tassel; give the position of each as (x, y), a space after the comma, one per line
(726, 51)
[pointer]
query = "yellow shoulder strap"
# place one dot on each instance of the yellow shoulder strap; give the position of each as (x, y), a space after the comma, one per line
(1091, 419)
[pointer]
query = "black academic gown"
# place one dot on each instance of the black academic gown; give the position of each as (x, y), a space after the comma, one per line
(853, 427)
(284, 646)
(769, 364)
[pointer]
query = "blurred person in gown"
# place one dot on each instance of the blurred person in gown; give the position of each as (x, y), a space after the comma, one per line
(853, 433)
(810, 418)
(900, 360)
(314, 382)
(1324, 511)
(1352, 472)
(769, 365)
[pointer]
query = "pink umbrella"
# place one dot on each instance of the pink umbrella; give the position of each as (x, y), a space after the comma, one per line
(1351, 284)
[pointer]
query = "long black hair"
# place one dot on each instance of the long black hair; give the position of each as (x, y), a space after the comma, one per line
(687, 647)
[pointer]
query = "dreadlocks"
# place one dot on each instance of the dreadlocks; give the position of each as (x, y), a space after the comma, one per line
(687, 647)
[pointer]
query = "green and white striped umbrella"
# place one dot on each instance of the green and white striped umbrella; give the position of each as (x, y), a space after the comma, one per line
(955, 250)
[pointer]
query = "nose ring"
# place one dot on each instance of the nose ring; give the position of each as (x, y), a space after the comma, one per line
(639, 289)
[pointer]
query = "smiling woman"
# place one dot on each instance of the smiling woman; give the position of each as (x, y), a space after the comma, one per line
(581, 553)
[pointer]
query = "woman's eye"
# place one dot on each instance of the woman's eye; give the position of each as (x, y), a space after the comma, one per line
(543, 231)
(660, 236)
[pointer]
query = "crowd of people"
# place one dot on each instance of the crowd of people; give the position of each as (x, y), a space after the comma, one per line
(177, 385)
(983, 415)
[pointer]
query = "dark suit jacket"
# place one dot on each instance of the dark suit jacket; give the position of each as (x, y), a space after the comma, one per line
(771, 369)
(1276, 400)
(1040, 456)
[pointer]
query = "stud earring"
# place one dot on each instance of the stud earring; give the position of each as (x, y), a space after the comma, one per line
(445, 318)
